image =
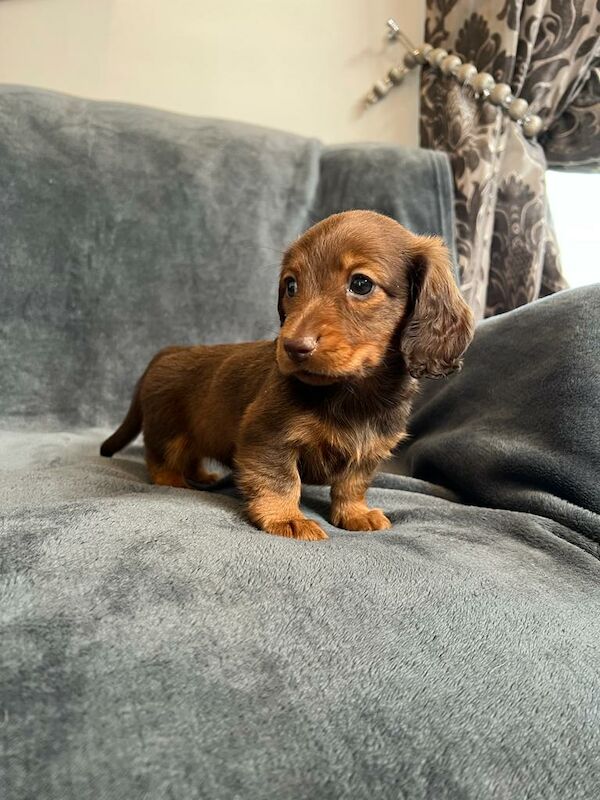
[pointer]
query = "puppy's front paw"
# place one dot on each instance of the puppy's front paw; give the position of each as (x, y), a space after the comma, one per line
(368, 519)
(304, 529)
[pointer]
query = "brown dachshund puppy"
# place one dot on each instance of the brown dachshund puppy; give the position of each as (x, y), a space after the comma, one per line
(366, 308)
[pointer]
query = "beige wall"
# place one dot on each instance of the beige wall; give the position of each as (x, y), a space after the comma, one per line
(300, 65)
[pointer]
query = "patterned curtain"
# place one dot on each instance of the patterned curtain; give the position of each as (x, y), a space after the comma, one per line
(548, 51)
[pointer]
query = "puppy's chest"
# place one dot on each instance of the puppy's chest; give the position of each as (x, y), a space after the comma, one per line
(331, 450)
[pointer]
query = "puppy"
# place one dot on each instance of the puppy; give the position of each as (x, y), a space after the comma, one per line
(366, 309)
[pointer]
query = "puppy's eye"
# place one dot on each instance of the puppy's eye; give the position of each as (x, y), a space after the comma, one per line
(360, 284)
(291, 287)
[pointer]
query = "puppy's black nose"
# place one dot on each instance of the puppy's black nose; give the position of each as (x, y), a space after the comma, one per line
(299, 349)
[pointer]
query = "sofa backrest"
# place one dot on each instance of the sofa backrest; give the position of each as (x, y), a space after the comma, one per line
(125, 229)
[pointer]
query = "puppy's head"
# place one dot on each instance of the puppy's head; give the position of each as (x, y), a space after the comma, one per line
(356, 285)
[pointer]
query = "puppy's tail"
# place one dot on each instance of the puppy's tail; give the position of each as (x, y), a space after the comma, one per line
(128, 429)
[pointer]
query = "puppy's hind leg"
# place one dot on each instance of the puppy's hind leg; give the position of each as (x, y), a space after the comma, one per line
(176, 463)
(162, 476)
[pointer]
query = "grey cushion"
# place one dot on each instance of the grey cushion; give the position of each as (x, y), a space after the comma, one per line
(521, 428)
(414, 188)
(125, 229)
(154, 644)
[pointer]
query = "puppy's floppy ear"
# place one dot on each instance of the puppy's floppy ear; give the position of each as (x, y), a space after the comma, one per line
(440, 326)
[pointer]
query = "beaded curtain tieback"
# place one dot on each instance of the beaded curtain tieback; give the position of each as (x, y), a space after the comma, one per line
(482, 83)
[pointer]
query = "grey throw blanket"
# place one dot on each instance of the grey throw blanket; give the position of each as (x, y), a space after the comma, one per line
(155, 645)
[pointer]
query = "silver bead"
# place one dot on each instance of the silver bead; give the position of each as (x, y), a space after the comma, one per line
(483, 83)
(532, 125)
(381, 88)
(436, 56)
(410, 60)
(518, 109)
(396, 75)
(450, 64)
(500, 93)
(466, 73)
(422, 52)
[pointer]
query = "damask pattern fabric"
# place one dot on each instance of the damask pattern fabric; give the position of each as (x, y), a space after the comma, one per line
(548, 51)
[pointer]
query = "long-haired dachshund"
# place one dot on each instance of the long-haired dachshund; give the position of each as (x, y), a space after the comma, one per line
(366, 309)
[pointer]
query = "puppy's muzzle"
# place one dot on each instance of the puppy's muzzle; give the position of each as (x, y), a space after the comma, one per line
(300, 349)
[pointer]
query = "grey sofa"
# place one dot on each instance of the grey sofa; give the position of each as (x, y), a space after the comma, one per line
(153, 643)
